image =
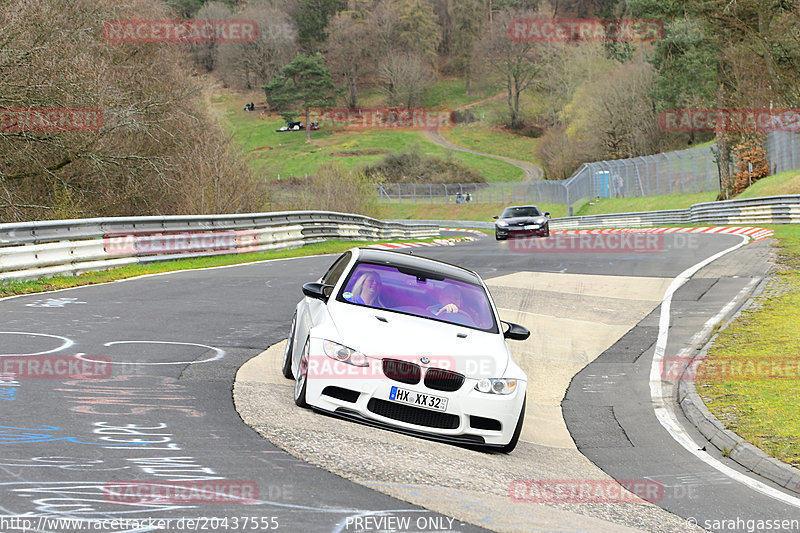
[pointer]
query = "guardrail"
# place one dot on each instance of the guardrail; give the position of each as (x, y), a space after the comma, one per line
(31, 250)
(764, 210)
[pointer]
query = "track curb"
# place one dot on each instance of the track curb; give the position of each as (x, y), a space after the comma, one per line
(729, 443)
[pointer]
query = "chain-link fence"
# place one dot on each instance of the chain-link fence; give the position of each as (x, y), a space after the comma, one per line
(680, 172)
(485, 193)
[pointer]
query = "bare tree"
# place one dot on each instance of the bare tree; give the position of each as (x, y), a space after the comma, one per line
(616, 120)
(351, 52)
(406, 78)
(205, 54)
(154, 122)
(516, 65)
(250, 65)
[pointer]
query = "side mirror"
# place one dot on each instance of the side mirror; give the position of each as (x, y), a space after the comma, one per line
(317, 291)
(547, 215)
(495, 217)
(515, 332)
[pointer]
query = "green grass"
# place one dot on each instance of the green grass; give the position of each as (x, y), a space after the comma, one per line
(784, 183)
(450, 94)
(285, 154)
(10, 288)
(763, 411)
(479, 212)
(478, 137)
(602, 206)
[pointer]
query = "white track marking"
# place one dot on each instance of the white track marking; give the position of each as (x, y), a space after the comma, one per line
(66, 343)
(219, 353)
(663, 410)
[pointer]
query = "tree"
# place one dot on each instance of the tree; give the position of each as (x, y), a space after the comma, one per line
(304, 81)
(155, 129)
(206, 54)
(406, 77)
(350, 51)
(418, 31)
(517, 65)
(467, 18)
(311, 17)
(253, 64)
(615, 120)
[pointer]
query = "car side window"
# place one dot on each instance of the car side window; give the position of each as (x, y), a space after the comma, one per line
(337, 269)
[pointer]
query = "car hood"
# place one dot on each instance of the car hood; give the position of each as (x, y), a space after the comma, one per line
(478, 355)
(513, 221)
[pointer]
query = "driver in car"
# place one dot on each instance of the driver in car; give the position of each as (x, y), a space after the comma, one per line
(449, 301)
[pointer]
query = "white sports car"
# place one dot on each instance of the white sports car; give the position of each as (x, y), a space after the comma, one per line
(409, 344)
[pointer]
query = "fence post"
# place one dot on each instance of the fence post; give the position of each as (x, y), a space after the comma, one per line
(569, 206)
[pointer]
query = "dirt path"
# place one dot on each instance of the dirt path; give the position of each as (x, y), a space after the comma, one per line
(532, 172)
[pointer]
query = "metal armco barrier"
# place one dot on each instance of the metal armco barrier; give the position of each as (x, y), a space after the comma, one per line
(765, 210)
(31, 250)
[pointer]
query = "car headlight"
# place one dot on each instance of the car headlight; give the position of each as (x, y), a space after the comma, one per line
(344, 354)
(496, 385)
(502, 224)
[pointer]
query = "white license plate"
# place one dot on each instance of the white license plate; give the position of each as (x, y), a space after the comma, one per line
(418, 399)
(531, 227)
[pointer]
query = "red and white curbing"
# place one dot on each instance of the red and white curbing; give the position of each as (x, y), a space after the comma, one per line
(756, 234)
(465, 230)
(437, 242)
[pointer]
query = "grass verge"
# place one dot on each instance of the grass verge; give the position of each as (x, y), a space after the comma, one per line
(604, 206)
(284, 154)
(761, 405)
(11, 288)
(494, 141)
(784, 183)
(480, 212)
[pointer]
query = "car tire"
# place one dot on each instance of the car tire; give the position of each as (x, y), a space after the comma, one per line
(300, 384)
(286, 368)
(499, 238)
(547, 231)
(508, 448)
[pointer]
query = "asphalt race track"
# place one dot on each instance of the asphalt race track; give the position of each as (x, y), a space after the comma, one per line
(169, 347)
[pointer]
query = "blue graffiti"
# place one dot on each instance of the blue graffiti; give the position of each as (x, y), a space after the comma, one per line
(7, 393)
(31, 435)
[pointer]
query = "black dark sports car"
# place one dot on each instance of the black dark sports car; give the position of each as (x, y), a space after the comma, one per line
(521, 220)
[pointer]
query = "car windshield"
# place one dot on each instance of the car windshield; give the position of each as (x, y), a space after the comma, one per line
(525, 211)
(419, 293)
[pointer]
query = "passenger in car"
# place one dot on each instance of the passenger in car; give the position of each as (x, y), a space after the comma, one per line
(367, 290)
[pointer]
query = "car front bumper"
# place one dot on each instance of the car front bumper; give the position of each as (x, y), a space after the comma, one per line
(520, 231)
(471, 417)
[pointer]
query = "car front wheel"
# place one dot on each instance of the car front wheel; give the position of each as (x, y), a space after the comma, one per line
(286, 368)
(499, 238)
(302, 377)
(508, 448)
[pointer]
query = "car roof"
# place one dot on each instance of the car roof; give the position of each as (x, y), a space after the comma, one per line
(395, 258)
(518, 206)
